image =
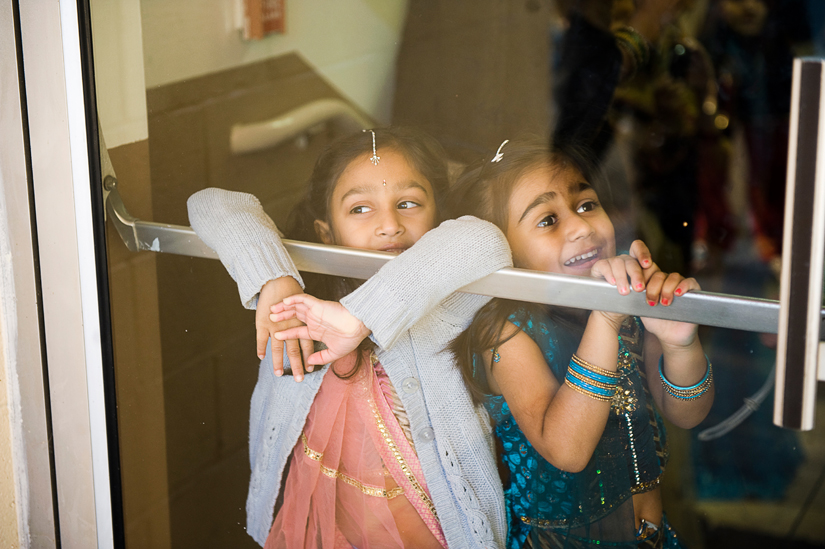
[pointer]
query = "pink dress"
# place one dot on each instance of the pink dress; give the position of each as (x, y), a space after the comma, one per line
(354, 479)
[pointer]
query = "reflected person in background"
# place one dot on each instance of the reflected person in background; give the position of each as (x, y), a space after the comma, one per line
(751, 44)
(384, 447)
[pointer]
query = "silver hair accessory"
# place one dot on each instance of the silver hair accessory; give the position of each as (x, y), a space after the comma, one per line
(499, 155)
(375, 158)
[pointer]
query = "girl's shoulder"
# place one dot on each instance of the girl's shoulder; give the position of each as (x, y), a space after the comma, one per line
(538, 322)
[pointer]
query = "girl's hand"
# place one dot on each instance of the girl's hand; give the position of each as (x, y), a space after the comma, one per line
(662, 289)
(627, 271)
(274, 292)
(326, 321)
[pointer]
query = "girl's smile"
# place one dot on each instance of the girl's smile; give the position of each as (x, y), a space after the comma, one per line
(386, 206)
(556, 223)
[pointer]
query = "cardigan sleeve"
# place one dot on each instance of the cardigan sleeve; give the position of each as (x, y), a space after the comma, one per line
(245, 238)
(411, 285)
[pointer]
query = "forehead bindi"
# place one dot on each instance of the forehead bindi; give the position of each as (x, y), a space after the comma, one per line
(393, 174)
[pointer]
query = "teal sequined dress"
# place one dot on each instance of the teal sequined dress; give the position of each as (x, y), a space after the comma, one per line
(593, 508)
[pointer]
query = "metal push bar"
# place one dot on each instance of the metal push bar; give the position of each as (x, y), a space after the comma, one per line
(725, 311)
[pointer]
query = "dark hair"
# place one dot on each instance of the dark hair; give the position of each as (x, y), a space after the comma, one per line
(483, 190)
(422, 152)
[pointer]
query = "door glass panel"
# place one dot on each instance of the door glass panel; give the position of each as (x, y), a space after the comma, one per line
(684, 104)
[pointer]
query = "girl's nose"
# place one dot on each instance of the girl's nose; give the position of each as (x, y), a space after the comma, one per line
(389, 225)
(578, 227)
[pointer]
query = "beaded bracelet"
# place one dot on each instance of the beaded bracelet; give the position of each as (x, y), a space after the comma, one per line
(687, 393)
(590, 380)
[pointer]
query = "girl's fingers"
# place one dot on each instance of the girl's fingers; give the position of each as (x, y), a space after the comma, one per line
(668, 287)
(654, 287)
(619, 268)
(323, 357)
(298, 332)
(637, 277)
(640, 252)
(283, 315)
(277, 357)
(687, 285)
(261, 339)
(307, 348)
(602, 269)
(293, 353)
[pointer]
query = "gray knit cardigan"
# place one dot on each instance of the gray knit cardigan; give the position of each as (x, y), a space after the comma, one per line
(412, 307)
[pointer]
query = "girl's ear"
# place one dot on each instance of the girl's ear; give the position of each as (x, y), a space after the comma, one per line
(324, 232)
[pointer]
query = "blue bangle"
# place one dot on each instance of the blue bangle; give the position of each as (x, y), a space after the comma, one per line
(687, 393)
(595, 376)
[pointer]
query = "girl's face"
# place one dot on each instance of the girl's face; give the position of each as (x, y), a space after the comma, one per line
(557, 224)
(385, 207)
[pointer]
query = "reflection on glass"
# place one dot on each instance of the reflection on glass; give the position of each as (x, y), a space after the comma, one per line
(684, 104)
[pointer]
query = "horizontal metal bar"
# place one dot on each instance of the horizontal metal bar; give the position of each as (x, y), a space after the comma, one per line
(726, 311)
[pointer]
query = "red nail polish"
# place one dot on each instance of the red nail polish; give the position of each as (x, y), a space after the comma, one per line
(651, 303)
(665, 301)
(678, 291)
(639, 287)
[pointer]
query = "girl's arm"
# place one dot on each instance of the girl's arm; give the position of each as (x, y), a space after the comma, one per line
(410, 286)
(247, 241)
(684, 367)
(249, 245)
(563, 425)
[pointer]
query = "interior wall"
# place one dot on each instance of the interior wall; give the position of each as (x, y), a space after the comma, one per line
(351, 43)
(118, 56)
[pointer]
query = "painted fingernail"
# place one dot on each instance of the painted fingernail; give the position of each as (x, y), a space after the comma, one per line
(639, 287)
(665, 301)
(651, 303)
(678, 291)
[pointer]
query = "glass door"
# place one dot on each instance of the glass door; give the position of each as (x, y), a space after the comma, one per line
(686, 106)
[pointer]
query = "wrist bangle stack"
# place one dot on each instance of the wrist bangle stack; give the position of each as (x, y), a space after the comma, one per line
(687, 393)
(590, 380)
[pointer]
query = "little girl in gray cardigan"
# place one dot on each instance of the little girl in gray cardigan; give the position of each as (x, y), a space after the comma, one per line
(414, 310)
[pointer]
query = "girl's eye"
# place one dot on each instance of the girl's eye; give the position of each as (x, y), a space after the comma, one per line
(360, 210)
(407, 204)
(547, 221)
(588, 206)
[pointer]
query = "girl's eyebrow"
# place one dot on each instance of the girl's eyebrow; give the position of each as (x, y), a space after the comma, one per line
(577, 187)
(370, 189)
(540, 199)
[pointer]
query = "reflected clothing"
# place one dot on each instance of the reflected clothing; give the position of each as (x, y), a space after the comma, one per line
(553, 508)
(414, 310)
(355, 479)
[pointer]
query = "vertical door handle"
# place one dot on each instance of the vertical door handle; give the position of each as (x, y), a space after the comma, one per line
(803, 245)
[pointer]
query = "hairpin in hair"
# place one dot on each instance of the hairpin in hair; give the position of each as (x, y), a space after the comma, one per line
(499, 155)
(375, 158)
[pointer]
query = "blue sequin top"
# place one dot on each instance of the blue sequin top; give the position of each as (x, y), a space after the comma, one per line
(629, 458)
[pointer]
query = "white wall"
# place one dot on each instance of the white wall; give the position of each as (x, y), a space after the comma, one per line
(352, 43)
(118, 55)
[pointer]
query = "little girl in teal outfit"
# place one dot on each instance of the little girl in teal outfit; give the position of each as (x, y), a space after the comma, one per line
(574, 396)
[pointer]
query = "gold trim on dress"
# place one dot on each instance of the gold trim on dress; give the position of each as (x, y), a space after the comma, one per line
(367, 489)
(385, 434)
